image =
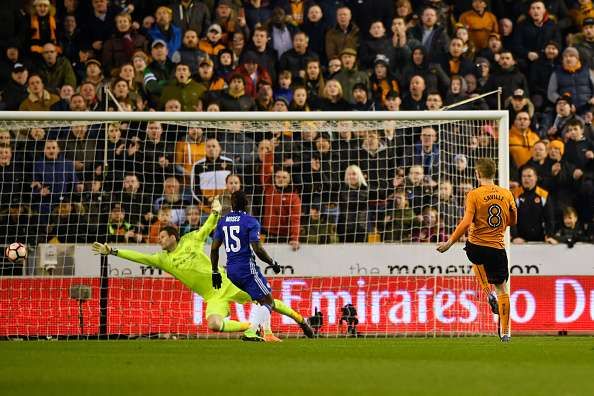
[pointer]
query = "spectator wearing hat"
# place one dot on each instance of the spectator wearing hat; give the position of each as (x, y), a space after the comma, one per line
(376, 44)
(120, 47)
(574, 79)
(212, 44)
(39, 99)
(191, 15)
(99, 24)
(349, 75)
(518, 102)
(94, 75)
(158, 72)
(189, 53)
(235, 97)
(480, 23)
(11, 55)
(55, 70)
(382, 81)
(15, 91)
(585, 43)
(261, 46)
(225, 63)
(432, 36)
(42, 27)
(183, 88)
(252, 73)
(556, 127)
(206, 76)
(361, 100)
(540, 71)
(296, 58)
(532, 34)
(344, 34)
(521, 139)
(165, 30)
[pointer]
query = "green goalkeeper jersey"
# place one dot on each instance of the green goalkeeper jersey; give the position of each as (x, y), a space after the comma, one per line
(188, 263)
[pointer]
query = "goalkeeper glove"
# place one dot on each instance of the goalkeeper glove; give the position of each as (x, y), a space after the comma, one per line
(103, 249)
(217, 280)
(216, 205)
(276, 267)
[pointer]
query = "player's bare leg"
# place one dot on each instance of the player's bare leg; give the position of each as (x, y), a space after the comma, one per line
(280, 307)
(504, 310)
(481, 276)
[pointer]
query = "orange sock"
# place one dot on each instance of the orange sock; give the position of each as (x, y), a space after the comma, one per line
(481, 275)
(503, 302)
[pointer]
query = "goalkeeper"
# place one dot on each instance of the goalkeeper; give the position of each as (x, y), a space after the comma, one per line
(185, 259)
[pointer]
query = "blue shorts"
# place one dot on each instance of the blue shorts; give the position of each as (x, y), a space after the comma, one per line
(253, 283)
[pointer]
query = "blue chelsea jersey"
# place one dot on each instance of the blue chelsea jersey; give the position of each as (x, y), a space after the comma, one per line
(237, 230)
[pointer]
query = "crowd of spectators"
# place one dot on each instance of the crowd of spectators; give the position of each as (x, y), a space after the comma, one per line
(294, 55)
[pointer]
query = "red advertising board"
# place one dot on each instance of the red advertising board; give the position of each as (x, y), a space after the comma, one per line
(385, 305)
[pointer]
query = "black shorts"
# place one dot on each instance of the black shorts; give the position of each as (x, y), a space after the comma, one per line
(494, 260)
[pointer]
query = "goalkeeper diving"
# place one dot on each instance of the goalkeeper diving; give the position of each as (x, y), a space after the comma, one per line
(184, 258)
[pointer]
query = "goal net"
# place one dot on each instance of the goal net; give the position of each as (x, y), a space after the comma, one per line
(351, 205)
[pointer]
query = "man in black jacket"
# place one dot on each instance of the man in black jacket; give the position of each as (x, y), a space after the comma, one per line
(535, 211)
(16, 89)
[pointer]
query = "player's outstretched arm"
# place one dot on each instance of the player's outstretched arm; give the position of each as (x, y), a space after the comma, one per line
(262, 254)
(210, 224)
(147, 259)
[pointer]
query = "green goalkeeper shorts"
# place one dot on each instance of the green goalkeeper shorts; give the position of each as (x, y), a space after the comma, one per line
(218, 304)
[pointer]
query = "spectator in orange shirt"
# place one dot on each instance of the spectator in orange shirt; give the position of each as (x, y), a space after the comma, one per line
(521, 139)
(480, 22)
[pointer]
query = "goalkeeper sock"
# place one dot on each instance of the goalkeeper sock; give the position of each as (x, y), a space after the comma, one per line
(283, 309)
(229, 326)
(481, 275)
(503, 302)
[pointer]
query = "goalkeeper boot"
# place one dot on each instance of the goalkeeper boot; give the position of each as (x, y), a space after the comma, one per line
(505, 338)
(493, 304)
(251, 335)
(306, 328)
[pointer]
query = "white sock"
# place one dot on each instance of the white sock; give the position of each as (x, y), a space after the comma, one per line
(259, 316)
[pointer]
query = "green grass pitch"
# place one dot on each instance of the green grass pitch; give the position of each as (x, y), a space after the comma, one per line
(401, 366)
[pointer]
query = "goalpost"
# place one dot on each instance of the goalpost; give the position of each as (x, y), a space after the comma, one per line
(351, 204)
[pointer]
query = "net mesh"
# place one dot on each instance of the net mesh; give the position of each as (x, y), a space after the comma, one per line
(354, 195)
